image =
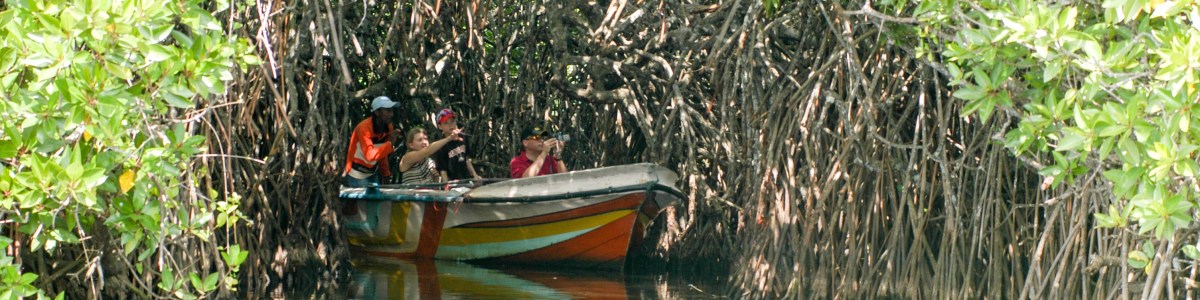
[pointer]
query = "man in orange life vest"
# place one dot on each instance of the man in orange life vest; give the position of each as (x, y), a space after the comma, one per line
(370, 144)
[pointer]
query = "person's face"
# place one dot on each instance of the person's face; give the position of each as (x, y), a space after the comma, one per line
(448, 126)
(535, 144)
(419, 141)
(384, 114)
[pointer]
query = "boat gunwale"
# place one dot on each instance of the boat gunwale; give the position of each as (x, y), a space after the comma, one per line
(375, 194)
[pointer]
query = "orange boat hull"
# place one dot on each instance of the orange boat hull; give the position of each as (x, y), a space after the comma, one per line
(594, 232)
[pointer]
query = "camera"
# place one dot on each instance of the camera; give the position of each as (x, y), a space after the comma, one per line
(562, 137)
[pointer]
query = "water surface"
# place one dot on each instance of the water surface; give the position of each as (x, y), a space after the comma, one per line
(432, 279)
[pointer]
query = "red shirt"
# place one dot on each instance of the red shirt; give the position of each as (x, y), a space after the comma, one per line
(520, 163)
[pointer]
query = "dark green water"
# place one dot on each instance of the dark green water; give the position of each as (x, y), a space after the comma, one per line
(433, 279)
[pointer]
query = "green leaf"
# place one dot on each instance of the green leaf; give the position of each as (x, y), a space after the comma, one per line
(1053, 68)
(8, 58)
(956, 74)
(1138, 259)
(1131, 152)
(1072, 139)
(1186, 167)
(93, 178)
(982, 79)
(1170, 8)
(986, 107)
(196, 282)
(1104, 221)
(74, 170)
(64, 236)
(1191, 252)
(1106, 147)
(1092, 48)
(1184, 124)
(131, 241)
(118, 70)
(1112, 130)
(28, 278)
(210, 282)
(177, 101)
(168, 279)
(156, 34)
(970, 92)
(157, 53)
(8, 149)
(1150, 222)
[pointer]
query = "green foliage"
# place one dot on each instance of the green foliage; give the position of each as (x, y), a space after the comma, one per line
(1191, 251)
(13, 283)
(1141, 258)
(771, 7)
(1100, 87)
(96, 127)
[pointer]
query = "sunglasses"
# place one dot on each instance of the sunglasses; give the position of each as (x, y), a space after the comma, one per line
(534, 137)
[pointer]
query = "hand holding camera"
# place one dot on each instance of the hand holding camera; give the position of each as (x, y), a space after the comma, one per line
(555, 146)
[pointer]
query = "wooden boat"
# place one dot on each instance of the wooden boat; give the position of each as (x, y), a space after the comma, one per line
(588, 218)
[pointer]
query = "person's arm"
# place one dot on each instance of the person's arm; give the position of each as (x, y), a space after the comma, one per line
(559, 165)
(471, 169)
(362, 137)
(443, 173)
(562, 167)
(409, 158)
(535, 167)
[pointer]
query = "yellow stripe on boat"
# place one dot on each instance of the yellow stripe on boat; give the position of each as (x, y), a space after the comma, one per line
(397, 226)
(469, 236)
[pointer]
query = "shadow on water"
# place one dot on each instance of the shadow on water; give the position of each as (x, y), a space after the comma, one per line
(434, 279)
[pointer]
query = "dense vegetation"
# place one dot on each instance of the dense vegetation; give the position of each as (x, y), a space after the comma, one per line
(933, 149)
(1105, 93)
(99, 161)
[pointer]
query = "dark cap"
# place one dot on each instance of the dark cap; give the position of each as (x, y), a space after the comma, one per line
(532, 131)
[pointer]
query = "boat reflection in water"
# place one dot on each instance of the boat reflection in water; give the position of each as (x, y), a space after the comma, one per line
(435, 279)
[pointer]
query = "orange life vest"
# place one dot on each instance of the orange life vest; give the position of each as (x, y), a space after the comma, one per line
(368, 148)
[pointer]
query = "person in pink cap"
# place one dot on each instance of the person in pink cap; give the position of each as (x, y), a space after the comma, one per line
(454, 160)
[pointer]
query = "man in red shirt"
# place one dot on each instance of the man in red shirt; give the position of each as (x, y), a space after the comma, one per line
(372, 141)
(536, 159)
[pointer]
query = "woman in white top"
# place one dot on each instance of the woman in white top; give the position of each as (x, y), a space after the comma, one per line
(416, 166)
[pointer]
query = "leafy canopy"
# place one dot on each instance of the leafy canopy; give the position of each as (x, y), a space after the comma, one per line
(1100, 87)
(99, 102)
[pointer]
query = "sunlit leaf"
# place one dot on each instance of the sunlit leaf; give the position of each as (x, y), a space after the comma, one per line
(1072, 139)
(126, 181)
(8, 149)
(1051, 71)
(157, 53)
